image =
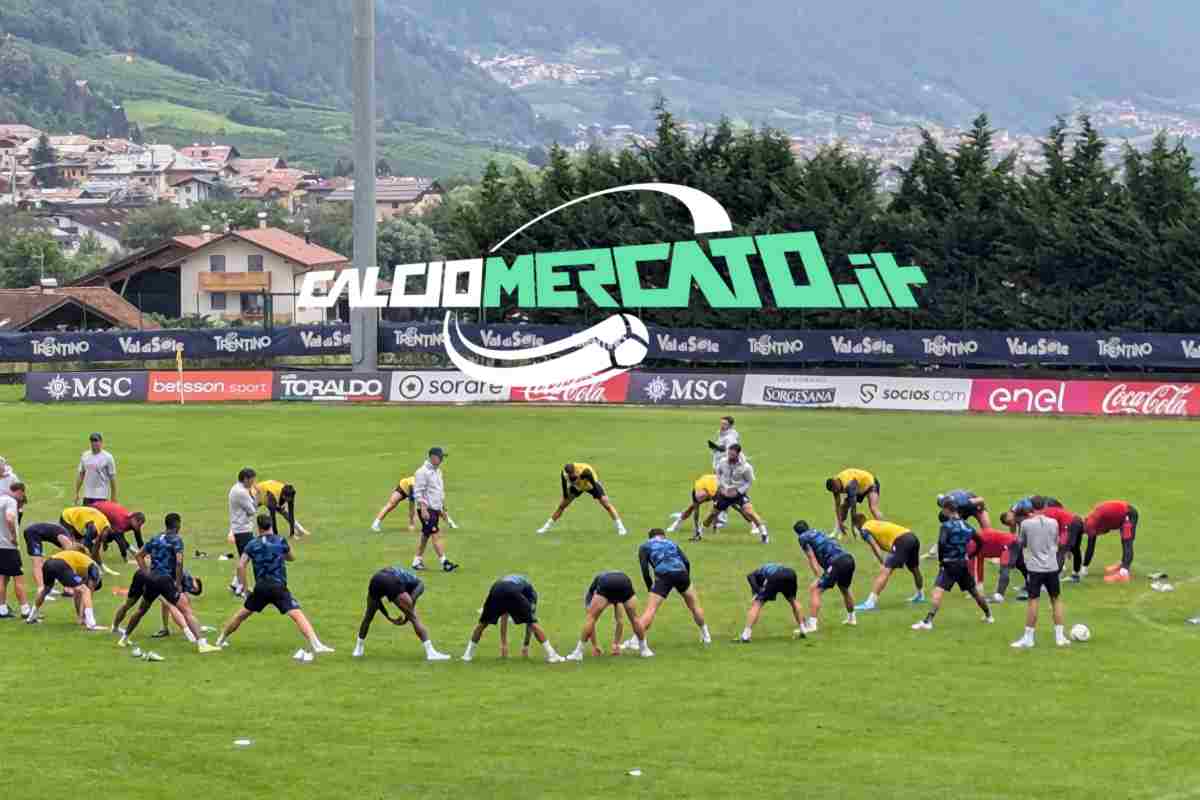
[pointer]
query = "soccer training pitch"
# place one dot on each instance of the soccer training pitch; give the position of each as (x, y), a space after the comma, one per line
(873, 711)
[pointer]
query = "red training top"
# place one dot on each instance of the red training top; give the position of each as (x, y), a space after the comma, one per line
(118, 515)
(1108, 516)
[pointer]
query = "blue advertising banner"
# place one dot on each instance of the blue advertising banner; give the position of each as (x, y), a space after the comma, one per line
(996, 348)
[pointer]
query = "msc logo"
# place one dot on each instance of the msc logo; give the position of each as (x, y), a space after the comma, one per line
(74, 387)
(690, 390)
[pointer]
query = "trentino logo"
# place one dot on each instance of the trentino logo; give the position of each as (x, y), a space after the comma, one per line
(621, 341)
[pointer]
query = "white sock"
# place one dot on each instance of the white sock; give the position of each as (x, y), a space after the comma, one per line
(359, 644)
(315, 643)
(25, 609)
(89, 617)
(811, 622)
(704, 632)
(202, 641)
(3, 608)
(871, 598)
(1029, 634)
(549, 523)
(579, 647)
(549, 648)
(427, 644)
(746, 634)
(442, 559)
(850, 617)
(187, 632)
(1058, 632)
(221, 640)
(470, 649)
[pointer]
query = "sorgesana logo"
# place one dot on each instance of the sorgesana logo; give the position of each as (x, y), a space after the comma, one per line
(792, 396)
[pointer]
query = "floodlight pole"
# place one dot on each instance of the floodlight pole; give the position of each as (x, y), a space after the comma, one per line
(364, 322)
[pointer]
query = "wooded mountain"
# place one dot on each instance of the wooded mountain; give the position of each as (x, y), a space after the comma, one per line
(295, 48)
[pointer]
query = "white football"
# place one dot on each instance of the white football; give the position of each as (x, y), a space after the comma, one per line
(1081, 633)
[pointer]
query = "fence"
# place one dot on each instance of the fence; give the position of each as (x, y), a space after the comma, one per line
(1147, 351)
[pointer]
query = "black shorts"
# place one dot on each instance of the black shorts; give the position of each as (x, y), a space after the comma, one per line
(737, 501)
(429, 525)
(403, 494)
(782, 582)
(664, 582)
(506, 598)
(906, 552)
(58, 570)
(35, 545)
(269, 593)
(91, 501)
(137, 586)
(240, 540)
(10, 563)
(955, 572)
(1036, 581)
(840, 573)
(569, 490)
(616, 589)
(160, 586)
(390, 587)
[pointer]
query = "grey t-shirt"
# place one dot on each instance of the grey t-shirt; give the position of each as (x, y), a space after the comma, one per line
(242, 509)
(8, 537)
(98, 471)
(1039, 539)
(8, 480)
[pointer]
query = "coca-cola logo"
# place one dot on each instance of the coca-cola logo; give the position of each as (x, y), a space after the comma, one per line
(612, 391)
(1164, 400)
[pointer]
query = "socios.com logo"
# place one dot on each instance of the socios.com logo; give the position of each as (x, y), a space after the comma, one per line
(621, 341)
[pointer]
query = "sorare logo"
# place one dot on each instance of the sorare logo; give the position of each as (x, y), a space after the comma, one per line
(621, 341)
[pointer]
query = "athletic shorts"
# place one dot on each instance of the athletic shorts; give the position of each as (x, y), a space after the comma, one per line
(616, 589)
(10, 563)
(35, 545)
(269, 593)
(506, 598)
(429, 525)
(240, 540)
(906, 552)
(782, 582)
(840, 573)
(403, 494)
(1036, 581)
(737, 501)
(91, 501)
(955, 573)
(390, 587)
(569, 490)
(137, 586)
(58, 570)
(664, 582)
(160, 586)
(697, 500)
(1070, 537)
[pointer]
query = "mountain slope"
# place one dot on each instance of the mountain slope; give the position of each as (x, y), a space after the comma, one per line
(294, 48)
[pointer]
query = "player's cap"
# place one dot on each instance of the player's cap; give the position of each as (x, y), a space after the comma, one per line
(95, 437)
(437, 451)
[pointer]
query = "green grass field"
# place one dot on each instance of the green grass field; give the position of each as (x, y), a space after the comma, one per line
(879, 709)
(154, 113)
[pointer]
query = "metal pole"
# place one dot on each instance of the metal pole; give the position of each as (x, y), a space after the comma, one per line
(364, 322)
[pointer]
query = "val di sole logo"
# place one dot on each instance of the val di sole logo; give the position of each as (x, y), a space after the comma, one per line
(621, 341)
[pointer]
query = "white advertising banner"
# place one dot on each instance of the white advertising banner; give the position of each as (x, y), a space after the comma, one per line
(442, 386)
(856, 391)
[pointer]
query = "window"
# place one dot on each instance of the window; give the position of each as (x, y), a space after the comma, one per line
(395, 206)
(217, 300)
(254, 263)
(216, 263)
(252, 304)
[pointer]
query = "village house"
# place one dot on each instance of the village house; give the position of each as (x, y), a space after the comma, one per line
(67, 308)
(397, 197)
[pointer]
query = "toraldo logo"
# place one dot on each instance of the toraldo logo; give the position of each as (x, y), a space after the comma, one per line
(621, 341)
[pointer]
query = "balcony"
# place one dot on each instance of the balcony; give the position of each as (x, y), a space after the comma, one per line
(235, 281)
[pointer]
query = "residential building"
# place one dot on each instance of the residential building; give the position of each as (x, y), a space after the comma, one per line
(191, 190)
(397, 197)
(67, 308)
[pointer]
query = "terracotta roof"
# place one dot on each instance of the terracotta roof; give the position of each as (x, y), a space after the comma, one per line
(197, 240)
(219, 153)
(283, 181)
(255, 166)
(21, 307)
(290, 246)
(23, 132)
(189, 179)
(393, 190)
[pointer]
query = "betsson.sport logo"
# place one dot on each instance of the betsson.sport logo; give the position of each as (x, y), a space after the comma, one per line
(622, 341)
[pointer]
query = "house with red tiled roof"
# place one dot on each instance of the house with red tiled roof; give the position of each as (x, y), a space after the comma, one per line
(396, 196)
(67, 308)
(219, 155)
(221, 275)
(284, 187)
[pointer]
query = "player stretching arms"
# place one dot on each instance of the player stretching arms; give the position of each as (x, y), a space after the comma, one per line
(269, 553)
(735, 476)
(995, 543)
(402, 492)
(832, 566)
(672, 570)
(953, 539)
(430, 493)
(766, 583)
(91, 527)
(726, 435)
(968, 505)
(511, 596)
(903, 549)
(401, 588)
(579, 479)
(855, 484)
(40, 534)
(610, 589)
(1112, 515)
(122, 521)
(279, 498)
(704, 489)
